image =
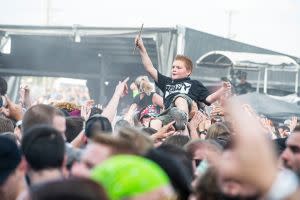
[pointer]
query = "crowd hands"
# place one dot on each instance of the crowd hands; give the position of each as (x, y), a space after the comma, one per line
(220, 151)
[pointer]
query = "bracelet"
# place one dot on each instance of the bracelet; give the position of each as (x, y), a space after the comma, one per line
(18, 123)
(285, 184)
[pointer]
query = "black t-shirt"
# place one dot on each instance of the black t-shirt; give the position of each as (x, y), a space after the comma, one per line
(192, 88)
(243, 88)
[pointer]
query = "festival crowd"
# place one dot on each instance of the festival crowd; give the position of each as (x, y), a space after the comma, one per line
(188, 144)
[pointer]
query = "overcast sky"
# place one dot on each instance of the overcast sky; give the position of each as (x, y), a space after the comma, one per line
(271, 24)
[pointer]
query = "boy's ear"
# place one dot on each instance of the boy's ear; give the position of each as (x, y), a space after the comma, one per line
(190, 73)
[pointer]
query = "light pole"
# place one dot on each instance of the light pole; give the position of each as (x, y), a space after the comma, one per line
(230, 14)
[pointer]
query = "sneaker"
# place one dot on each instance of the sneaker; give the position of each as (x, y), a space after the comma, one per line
(180, 118)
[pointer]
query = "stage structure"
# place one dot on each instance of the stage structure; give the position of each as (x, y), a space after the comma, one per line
(103, 54)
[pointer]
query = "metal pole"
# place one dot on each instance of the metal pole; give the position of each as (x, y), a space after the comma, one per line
(101, 80)
(296, 82)
(258, 81)
(266, 80)
(48, 12)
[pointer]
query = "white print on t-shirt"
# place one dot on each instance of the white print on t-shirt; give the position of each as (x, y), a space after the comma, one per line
(182, 88)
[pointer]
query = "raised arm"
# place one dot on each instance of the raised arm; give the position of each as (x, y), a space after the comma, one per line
(111, 109)
(220, 92)
(235, 163)
(145, 58)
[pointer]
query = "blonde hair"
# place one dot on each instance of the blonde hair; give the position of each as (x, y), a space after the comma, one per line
(216, 130)
(137, 138)
(118, 145)
(66, 105)
(144, 85)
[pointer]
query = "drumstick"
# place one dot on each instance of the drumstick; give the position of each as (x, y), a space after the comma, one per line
(140, 32)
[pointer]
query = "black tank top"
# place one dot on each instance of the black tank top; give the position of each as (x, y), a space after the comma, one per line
(145, 101)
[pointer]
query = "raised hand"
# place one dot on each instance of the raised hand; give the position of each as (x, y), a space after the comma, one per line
(196, 120)
(122, 88)
(194, 124)
(293, 123)
(166, 131)
(139, 43)
(24, 93)
(217, 110)
(15, 111)
(226, 86)
(248, 141)
(111, 109)
(86, 109)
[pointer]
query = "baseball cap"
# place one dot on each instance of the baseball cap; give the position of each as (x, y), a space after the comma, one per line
(128, 176)
(149, 111)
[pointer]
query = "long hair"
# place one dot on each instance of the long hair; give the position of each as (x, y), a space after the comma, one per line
(144, 85)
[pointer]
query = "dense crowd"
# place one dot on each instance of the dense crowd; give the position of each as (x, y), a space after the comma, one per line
(187, 144)
(61, 93)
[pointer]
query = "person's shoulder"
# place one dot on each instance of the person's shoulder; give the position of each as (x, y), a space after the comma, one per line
(248, 84)
(196, 82)
(161, 76)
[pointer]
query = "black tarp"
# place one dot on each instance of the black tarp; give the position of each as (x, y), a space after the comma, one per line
(269, 107)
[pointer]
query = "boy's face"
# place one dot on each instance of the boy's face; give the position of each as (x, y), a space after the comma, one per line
(179, 70)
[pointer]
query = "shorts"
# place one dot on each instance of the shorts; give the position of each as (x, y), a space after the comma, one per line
(174, 114)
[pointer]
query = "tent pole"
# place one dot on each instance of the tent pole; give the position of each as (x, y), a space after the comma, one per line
(258, 81)
(296, 82)
(266, 80)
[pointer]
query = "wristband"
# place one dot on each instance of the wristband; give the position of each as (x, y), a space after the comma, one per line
(18, 123)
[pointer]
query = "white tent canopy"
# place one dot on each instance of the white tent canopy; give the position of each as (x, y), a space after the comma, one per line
(251, 61)
(243, 59)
